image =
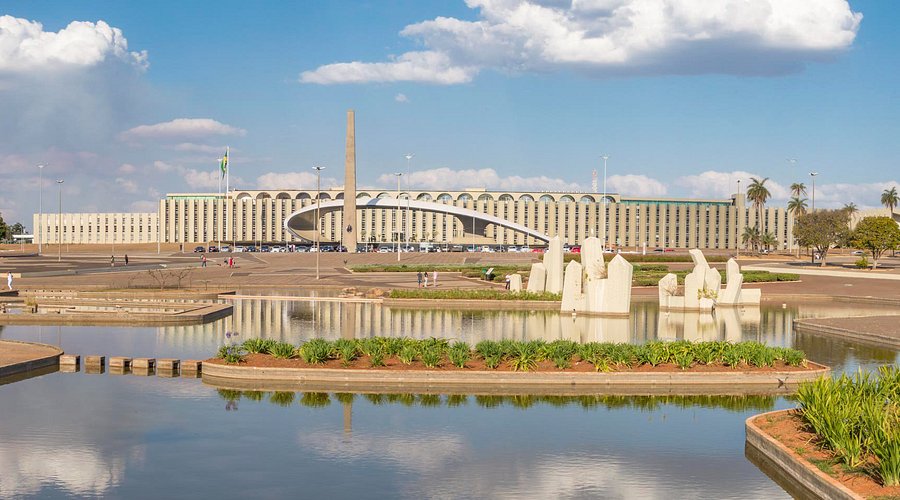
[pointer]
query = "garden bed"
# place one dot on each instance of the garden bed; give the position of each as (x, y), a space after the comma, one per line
(788, 428)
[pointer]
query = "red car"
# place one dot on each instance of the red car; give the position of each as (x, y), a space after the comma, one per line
(537, 250)
(575, 249)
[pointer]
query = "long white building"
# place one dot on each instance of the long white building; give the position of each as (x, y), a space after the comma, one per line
(258, 216)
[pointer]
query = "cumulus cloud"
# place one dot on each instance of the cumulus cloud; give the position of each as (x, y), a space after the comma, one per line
(197, 179)
(126, 168)
(401, 98)
(191, 147)
(293, 180)
(127, 185)
(180, 128)
(25, 46)
(450, 179)
(716, 184)
(144, 206)
(635, 185)
(614, 37)
(865, 195)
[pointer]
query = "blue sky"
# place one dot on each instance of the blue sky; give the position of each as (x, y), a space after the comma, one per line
(504, 94)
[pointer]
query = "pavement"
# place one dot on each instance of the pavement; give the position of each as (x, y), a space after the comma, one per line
(17, 353)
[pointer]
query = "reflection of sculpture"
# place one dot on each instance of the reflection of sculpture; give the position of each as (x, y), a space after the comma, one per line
(592, 287)
(703, 288)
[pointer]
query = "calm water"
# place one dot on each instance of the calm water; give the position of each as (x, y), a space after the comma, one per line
(124, 436)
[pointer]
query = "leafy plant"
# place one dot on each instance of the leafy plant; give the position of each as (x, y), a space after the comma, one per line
(258, 346)
(316, 351)
(282, 350)
(432, 356)
(408, 354)
(459, 354)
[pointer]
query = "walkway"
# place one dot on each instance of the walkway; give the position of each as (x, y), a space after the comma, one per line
(21, 357)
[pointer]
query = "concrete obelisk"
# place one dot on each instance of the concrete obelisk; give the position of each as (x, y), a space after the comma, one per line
(350, 185)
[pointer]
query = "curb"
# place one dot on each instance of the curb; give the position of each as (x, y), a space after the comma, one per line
(800, 326)
(792, 466)
(33, 364)
(575, 382)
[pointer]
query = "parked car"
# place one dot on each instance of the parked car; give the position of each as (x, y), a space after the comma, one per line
(575, 249)
(384, 250)
(199, 249)
(213, 248)
(225, 248)
(857, 252)
(537, 250)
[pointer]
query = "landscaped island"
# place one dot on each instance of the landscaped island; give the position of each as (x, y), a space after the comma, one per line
(644, 274)
(510, 355)
(848, 428)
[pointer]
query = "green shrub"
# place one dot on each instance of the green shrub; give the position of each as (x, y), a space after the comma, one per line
(432, 356)
(862, 263)
(316, 351)
(459, 354)
(408, 354)
(258, 346)
(347, 350)
(282, 350)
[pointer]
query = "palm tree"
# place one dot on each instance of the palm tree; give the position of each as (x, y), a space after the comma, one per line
(758, 194)
(850, 208)
(768, 240)
(751, 237)
(797, 207)
(890, 199)
(798, 188)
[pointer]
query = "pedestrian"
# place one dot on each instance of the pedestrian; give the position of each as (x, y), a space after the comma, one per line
(426, 278)
(112, 261)
(434, 278)
(126, 259)
(203, 261)
(9, 280)
(230, 262)
(507, 282)
(419, 278)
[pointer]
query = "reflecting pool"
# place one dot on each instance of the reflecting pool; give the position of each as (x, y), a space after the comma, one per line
(126, 436)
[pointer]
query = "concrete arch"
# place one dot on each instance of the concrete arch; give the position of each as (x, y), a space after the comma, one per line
(263, 196)
(485, 197)
(506, 197)
(527, 198)
(383, 195)
(424, 197)
(282, 196)
(363, 195)
(303, 196)
(547, 198)
(465, 197)
(302, 222)
(587, 199)
(566, 199)
(445, 197)
(243, 196)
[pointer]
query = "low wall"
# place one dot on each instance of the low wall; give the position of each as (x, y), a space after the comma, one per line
(563, 383)
(508, 305)
(791, 466)
(45, 357)
(874, 339)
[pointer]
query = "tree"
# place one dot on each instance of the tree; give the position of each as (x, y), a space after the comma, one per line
(890, 199)
(877, 235)
(750, 237)
(823, 229)
(758, 194)
(798, 189)
(797, 206)
(768, 240)
(4, 230)
(850, 208)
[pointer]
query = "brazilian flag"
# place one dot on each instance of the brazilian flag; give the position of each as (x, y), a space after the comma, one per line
(224, 164)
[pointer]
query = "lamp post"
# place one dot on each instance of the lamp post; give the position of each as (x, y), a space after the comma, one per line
(604, 158)
(396, 225)
(813, 175)
(59, 182)
(40, 208)
(318, 170)
(740, 217)
(604, 204)
(409, 157)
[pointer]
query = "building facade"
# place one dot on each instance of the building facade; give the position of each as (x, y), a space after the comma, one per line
(258, 216)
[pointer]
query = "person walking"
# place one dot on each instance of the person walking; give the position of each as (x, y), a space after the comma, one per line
(203, 261)
(507, 281)
(231, 262)
(112, 261)
(425, 274)
(9, 280)
(419, 278)
(126, 259)
(434, 278)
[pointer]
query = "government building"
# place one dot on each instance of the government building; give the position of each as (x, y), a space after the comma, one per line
(258, 217)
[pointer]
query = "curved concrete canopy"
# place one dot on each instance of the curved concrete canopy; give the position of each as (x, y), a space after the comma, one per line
(302, 222)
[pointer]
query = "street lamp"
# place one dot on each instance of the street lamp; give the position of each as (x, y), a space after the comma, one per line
(813, 175)
(740, 217)
(604, 204)
(59, 182)
(398, 174)
(318, 170)
(40, 207)
(409, 157)
(604, 158)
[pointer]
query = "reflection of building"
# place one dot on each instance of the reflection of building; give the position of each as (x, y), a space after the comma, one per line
(251, 216)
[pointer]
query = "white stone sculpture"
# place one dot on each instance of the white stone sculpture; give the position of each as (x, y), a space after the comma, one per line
(515, 282)
(703, 288)
(537, 278)
(592, 287)
(553, 263)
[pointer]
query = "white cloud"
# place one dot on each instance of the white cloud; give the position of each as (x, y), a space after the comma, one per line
(126, 168)
(449, 179)
(614, 37)
(180, 128)
(424, 67)
(401, 98)
(25, 46)
(144, 206)
(127, 185)
(293, 180)
(865, 195)
(635, 185)
(715, 184)
(163, 166)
